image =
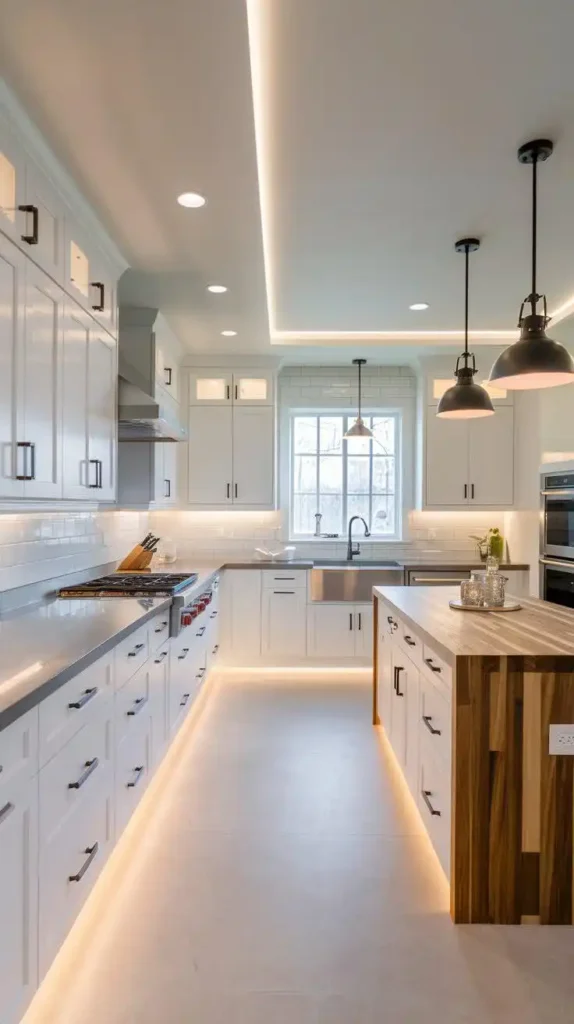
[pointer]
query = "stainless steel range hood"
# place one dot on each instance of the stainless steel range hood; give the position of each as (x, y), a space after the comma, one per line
(143, 418)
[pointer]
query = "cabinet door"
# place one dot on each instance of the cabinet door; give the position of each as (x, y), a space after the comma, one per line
(166, 369)
(447, 479)
(75, 402)
(12, 264)
(243, 588)
(284, 623)
(210, 464)
(491, 472)
(210, 387)
(385, 691)
(398, 733)
(364, 632)
(170, 456)
(253, 389)
(102, 414)
(253, 447)
(18, 897)
(12, 186)
(411, 688)
(78, 272)
(42, 424)
(103, 292)
(47, 209)
(332, 631)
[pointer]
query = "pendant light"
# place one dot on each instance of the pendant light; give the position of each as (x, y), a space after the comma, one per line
(465, 400)
(534, 361)
(358, 429)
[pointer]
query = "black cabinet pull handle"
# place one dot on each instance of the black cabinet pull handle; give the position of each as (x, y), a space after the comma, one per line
(213, 615)
(184, 654)
(86, 697)
(398, 668)
(472, 490)
(201, 631)
(466, 490)
(28, 446)
(6, 811)
(101, 304)
(139, 771)
(427, 719)
(89, 768)
(136, 650)
(228, 392)
(167, 488)
(161, 627)
(162, 655)
(98, 464)
(184, 700)
(409, 641)
(168, 375)
(236, 491)
(34, 237)
(215, 649)
(283, 591)
(360, 620)
(139, 703)
(92, 853)
(350, 620)
(433, 668)
(425, 793)
(236, 392)
(229, 490)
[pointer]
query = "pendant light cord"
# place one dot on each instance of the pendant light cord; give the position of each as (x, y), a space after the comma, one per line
(466, 258)
(533, 294)
(359, 390)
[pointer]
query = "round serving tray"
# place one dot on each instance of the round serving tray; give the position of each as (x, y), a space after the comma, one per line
(508, 606)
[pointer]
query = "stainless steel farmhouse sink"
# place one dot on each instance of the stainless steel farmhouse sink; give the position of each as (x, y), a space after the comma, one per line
(352, 581)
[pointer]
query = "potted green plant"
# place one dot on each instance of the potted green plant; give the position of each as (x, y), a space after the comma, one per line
(491, 544)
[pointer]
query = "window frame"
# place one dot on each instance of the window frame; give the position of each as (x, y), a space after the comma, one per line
(391, 412)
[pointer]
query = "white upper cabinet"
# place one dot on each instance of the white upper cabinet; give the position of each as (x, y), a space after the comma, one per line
(102, 403)
(166, 362)
(253, 448)
(40, 443)
(210, 457)
(12, 288)
(44, 231)
(231, 387)
(469, 463)
(13, 220)
(75, 401)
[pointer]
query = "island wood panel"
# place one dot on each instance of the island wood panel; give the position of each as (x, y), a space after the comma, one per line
(376, 720)
(512, 820)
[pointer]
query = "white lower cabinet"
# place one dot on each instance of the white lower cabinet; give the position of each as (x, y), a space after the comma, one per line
(284, 622)
(18, 896)
(241, 600)
(340, 631)
(133, 765)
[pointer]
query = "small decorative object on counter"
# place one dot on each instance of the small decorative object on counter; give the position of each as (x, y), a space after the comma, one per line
(491, 544)
(318, 518)
(471, 593)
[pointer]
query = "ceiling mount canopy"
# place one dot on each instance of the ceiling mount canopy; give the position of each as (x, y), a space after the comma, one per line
(534, 361)
(358, 428)
(465, 400)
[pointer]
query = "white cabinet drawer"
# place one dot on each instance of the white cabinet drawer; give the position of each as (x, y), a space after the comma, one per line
(292, 579)
(437, 667)
(159, 630)
(18, 896)
(73, 706)
(434, 799)
(70, 778)
(133, 769)
(132, 702)
(435, 720)
(69, 866)
(19, 749)
(409, 641)
(130, 654)
(158, 686)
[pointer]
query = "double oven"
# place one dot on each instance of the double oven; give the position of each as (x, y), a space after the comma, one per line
(557, 537)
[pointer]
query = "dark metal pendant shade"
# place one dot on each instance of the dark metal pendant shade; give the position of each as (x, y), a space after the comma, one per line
(465, 400)
(534, 361)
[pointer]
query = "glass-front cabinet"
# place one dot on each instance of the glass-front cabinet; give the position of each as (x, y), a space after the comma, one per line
(230, 387)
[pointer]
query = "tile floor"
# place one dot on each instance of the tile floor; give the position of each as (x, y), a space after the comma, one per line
(278, 873)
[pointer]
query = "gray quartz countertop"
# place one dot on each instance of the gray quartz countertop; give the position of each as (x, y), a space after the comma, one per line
(453, 566)
(43, 647)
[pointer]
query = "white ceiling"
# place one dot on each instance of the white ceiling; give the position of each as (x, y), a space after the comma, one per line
(384, 133)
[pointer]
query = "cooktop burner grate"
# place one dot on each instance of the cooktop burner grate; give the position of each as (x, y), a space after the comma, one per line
(163, 584)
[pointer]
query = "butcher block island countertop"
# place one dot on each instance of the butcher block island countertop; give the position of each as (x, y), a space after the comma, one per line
(467, 700)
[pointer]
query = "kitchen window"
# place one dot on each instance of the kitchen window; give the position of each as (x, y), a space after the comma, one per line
(341, 478)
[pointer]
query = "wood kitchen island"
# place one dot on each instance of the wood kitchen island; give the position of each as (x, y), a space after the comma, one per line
(467, 700)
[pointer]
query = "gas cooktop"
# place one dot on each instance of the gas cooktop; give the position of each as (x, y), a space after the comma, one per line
(137, 584)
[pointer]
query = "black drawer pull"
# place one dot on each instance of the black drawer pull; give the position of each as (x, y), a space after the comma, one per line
(136, 650)
(161, 627)
(28, 446)
(201, 631)
(89, 768)
(99, 473)
(184, 654)
(86, 697)
(360, 620)
(184, 700)
(433, 668)
(283, 591)
(137, 706)
(100, 305)
(162, 655)
(214, 615)
(409, 640)
(139, 771)
(425, 793)
(215, 649)
(34, 237)
(398, 668)
(92, 853)
(6, 811)
(168, 375)
(427, 719)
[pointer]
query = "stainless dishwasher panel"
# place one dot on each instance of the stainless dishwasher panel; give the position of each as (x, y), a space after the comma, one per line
(436, 577)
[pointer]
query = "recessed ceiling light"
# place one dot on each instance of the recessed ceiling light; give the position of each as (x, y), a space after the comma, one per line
(419, 305)
(229, 334)
(191, 200)
(217, 289)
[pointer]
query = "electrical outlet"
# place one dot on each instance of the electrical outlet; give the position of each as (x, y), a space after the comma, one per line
(561, 739)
